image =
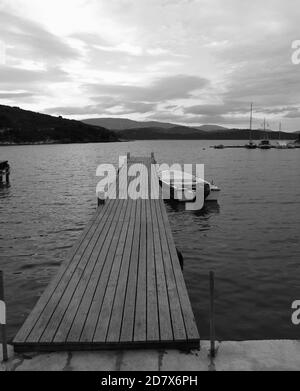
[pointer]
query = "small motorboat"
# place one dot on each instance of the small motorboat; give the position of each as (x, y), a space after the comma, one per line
(220, 146)
(182, 186)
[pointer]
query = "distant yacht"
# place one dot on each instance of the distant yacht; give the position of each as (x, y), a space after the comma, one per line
(265, 142)
(251, 144)
(280, 144)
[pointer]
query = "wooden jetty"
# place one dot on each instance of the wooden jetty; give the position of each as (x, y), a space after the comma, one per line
(4, 171)
(121, 286)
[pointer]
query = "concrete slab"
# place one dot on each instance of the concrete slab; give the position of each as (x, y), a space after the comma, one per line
(174, 360)
(140, 360)
(92, 361)
(45, 362)
(278, 355)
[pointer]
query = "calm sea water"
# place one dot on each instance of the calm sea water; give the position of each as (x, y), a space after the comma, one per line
(251, 240)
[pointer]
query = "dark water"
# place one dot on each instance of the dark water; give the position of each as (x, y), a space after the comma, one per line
(251, 240)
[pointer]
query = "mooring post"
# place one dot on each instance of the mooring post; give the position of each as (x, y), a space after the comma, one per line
(152, 157)
(3, 318)
(101, 196)
(128, 156)
(212, 314)
(7, 173)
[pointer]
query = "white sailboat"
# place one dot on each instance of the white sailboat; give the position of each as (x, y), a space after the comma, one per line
(265, 142)
(251, 144)
(280, 144)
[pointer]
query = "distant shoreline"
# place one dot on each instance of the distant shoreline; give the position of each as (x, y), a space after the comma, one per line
(57, 143)
(132, 140)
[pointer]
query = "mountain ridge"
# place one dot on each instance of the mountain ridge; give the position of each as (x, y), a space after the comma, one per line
(24, 126)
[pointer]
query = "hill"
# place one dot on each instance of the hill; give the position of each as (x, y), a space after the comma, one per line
(212, 128)
(186, 133)
(19, 126)
(118, 124)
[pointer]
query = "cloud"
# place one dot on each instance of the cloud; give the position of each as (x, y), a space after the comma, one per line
(15, 95)
(210, 110)
(110, 107)
(163, 89)
(15, 77)
(194, 61)
(293, 114)
(26, 39)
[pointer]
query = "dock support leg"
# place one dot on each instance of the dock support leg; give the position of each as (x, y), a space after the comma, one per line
(3, 318)
(101, 198)
(212, 314)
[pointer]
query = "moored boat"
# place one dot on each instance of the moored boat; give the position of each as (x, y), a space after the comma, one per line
(265, 142)
(251, 144)
(182, 186)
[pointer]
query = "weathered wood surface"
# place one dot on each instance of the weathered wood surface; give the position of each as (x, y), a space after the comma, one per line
(120, 287)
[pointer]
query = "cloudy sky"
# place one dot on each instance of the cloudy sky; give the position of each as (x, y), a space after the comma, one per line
(186, 61)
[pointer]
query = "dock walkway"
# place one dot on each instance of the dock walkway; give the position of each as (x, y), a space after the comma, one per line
(120, 287)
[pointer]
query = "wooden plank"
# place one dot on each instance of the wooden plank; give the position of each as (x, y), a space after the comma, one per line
(105, 257)
(80, 320)
(82, 295)
(111, 284)
(140, 323)
(114, 329)
(187, 312)
(130, 297)
(97, 299)
(95, 263)
(61, 299)
(165, 325)
(67, 268)
(152, 300)
(174, 301)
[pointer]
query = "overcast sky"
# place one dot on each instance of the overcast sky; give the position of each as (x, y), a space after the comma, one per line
(185, 61)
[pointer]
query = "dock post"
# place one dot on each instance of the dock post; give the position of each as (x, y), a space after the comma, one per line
(101, 197)
(3, 318)
(7, 173)
(212, 315)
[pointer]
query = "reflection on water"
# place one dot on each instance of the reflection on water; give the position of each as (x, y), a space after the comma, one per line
(208, 209)
(251, 240)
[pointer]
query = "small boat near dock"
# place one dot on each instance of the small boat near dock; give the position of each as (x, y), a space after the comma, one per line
(182, 186)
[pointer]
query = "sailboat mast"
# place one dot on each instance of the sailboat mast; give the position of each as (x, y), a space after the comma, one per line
(251, 120)
(279, 130)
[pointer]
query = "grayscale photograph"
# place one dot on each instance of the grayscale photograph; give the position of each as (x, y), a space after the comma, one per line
(149, 189)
